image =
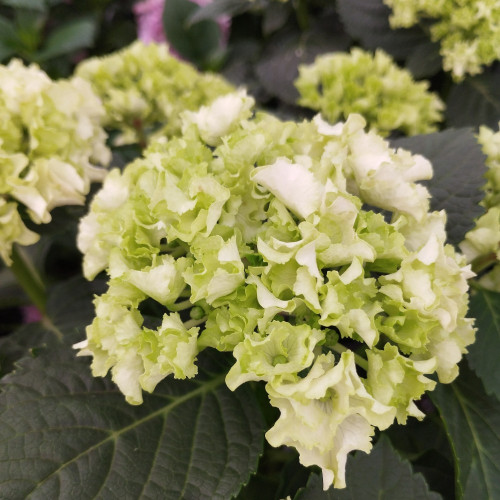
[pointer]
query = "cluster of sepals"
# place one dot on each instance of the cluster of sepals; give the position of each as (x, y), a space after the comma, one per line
(144, 89)
(482, 244)
(373, 85)
(468, 31)
(52, 145)
(306, 249)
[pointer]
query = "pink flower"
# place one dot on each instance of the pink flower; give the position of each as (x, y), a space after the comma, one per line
(149, 21)
(31, 314)
(149, 15)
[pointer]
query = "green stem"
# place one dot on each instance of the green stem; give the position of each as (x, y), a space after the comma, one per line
(180, 306)
(481, 263)
(302, 14)
(194, 322)
(28, 277)
(360, 361)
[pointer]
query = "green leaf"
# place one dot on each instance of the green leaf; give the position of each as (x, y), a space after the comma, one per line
(9, 40)
(71, 36)
(69, 308)
(275, 17)
(425, 444)
(219, 8)
(483, 354)
(425, 60)
(459, 167)
(278, 69)
(475, 101)
(472, 421)
(39, 5)
(17, 345)
(65, 434)
(199, 42)
(368, 21)
(381, 475)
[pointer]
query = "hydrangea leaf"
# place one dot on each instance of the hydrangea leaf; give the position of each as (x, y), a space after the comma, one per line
(190, 440)
(368, 21)
(459, 168)
(75, 35)
(59, 427)
(214, 10)
(475, 101)
(39, 5)
(483, 354)
(69, 307)
(197, 42)
(8, 38)
(278, 68)
(472, 421)
(381, 475)
(425, 61)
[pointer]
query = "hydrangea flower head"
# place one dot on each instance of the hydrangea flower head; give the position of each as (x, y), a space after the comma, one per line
(481, 245)
(469, 32)
(51, 147)
(267, 239)
(144, 89)
(389, 99)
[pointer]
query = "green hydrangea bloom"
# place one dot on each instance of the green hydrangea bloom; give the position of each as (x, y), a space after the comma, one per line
(490, 143)
(51, 144)
(469, 32)
(268, 241)
(389, 99)
(144, 89)
(481, 245)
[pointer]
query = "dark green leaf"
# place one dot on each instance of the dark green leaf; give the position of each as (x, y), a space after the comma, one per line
(381, 475)
(61, 429)
(275, 18)
(278, 69)
(69, 37)
(26, 4)
(218, 8)
(459, 167)
(368, 21)
(65, 434)
(484, 353)
(5, 51)
(18, 344)
(472, 421)
(425, 444)
(425, 60)
(9, 41)
(475, 101)
(198, 42)
(69, 311)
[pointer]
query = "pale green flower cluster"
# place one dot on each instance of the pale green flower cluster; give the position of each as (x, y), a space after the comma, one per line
(51, 143)
(490, 143)
(468, 31)
(482, 244)
(259, 236)
(338, 84)
(144, 89)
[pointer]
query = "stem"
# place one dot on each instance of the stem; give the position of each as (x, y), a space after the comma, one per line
(361, 362)
(178, 252)
(142, 139)
(194, 322)
(180, 306)
(28, 277)
(302, 14)
(481, 263)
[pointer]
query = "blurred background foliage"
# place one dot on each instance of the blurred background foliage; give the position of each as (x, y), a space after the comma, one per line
(57, 34)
